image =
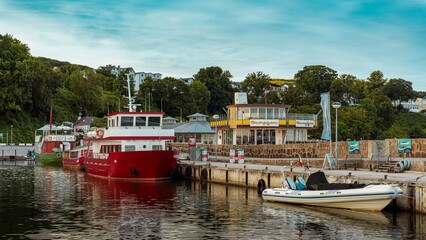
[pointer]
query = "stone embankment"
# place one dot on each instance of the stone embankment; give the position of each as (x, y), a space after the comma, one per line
(265, 176)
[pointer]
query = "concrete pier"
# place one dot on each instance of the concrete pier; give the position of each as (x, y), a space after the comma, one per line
(267, 176)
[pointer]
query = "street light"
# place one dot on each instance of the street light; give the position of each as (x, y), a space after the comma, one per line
(216, 117)
(11, 134)
(336, 105)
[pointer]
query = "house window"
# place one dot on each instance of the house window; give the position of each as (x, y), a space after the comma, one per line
(262, 113)
(127, 121)
(270, 112)
(141, 121)
(254, 113)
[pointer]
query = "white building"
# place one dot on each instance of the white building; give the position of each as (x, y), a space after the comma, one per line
(140, 77)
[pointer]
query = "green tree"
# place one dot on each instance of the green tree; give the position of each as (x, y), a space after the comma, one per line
(398, 90)
(201, 96)
(354, 123)
(315, 79)
(219, 84)
(375, 81)
(256, 83)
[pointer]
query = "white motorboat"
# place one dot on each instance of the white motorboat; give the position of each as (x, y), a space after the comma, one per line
(318, 192)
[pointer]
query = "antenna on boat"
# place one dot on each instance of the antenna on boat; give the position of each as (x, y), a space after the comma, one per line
(132, 106)
(130, 94)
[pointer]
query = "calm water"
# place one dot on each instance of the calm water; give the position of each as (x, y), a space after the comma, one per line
(52, 203)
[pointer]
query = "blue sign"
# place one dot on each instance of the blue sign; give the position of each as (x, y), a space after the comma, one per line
(353, 147)
(404, 145)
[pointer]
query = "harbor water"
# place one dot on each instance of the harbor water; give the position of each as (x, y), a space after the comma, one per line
(55, 203)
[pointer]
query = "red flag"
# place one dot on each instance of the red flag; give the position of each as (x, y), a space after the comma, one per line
(300, 161)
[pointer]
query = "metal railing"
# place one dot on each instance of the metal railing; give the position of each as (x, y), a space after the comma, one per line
(301, 116)
(386, 157)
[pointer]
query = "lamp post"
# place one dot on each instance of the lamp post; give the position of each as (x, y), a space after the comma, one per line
(216, 117)
(336, 105)
(11, 134)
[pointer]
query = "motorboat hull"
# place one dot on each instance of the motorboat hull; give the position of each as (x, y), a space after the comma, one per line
(155, 165)
(52, 159)
(371, 197)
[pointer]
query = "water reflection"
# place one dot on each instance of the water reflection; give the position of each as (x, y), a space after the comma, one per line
(52, 203)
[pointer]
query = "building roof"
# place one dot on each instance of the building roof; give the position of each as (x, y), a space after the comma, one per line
(169, 118)
(197, 127)
(83, 121)
(197, 115)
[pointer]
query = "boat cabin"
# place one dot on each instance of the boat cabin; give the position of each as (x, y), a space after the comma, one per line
(132, 131)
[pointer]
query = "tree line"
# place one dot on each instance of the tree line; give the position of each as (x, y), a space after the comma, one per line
(29, 86)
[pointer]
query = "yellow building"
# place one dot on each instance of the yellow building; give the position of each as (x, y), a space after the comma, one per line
(262, 124)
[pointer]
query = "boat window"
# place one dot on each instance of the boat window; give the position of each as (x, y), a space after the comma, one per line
(129, 148)
(157, 147)
(154, 121)
(126, 121)
(73, 154)
(141, 121)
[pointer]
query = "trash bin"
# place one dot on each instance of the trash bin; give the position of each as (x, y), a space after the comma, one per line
(231, 155)
(204, 155)
(240, 155)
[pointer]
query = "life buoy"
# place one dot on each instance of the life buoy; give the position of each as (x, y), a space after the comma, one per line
(100, 133)
(58, 155)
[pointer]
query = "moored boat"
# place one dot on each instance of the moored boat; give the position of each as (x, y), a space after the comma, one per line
(50, 145)
(132, 147)
(73, 158)
(318, 192)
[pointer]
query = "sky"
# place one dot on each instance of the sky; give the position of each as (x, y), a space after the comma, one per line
(177, 38)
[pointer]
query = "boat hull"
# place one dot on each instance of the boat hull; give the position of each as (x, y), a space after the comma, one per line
(74, 163)
(371, 198)
(52, 159)
(136, 165)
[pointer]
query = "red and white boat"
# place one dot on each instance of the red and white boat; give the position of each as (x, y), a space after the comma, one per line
(132, 148)
(74, 158)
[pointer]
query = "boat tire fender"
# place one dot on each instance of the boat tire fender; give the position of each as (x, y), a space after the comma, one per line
(261, 186)
(204, 174)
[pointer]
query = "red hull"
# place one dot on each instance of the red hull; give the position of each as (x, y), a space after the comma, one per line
(137, 165)
(74, 163)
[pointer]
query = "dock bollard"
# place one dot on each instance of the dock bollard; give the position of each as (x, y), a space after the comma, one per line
(386, 177)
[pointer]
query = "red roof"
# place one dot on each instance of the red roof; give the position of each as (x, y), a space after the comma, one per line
(138, 113)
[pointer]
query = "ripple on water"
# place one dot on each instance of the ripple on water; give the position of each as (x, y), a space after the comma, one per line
(52, 203)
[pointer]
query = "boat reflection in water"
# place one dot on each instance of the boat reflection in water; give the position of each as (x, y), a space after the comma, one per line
(312, 220)
(130, 209)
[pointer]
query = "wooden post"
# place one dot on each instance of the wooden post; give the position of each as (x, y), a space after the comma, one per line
(15, 157)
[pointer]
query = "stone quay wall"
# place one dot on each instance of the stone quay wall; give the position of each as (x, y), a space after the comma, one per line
(313, 154)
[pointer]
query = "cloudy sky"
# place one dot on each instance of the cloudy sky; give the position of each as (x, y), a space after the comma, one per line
(176, 38)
